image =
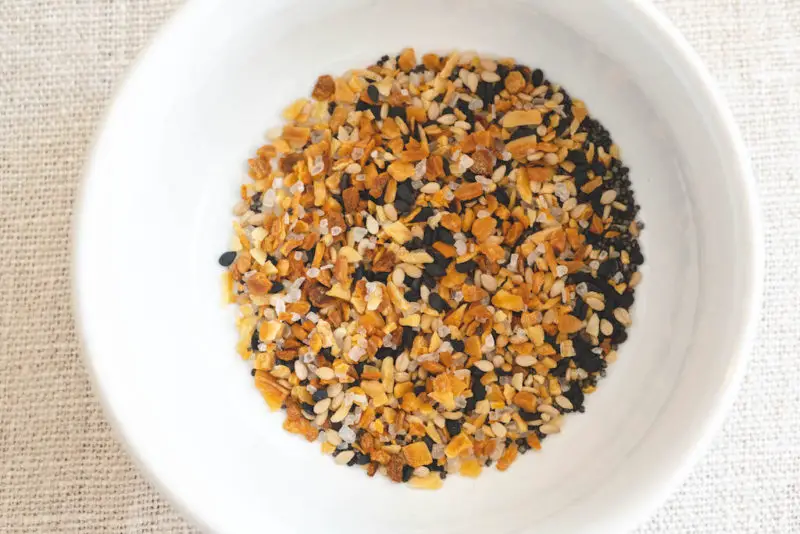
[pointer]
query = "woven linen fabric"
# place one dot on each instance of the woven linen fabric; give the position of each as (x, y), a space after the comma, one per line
(62, 470)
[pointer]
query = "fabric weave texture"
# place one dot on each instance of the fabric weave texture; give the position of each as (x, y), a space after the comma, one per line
(61, 468)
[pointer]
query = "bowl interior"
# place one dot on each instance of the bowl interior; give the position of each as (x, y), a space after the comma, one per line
(156, 214)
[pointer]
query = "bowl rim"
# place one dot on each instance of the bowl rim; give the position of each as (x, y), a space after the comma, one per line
(691, 65)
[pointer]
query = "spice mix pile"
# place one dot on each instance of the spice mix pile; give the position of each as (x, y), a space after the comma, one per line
(433, 263)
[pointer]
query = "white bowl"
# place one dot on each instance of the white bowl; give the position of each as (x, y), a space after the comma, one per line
(156, 213)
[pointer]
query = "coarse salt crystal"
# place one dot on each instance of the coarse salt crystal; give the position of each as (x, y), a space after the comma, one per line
(347, 434)
(318, 167)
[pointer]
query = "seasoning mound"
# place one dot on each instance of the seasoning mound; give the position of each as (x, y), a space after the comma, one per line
(433, 263)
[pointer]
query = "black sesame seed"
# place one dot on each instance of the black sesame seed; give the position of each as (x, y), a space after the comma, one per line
(502, 196)
(361, 105)
(579, 309)
(422, 216)
(437, 303)
(412, 295)
(457, 344)
(436, 468)
(589, 361)
(255, 202)
(385, 352)
(276, 287)
(307, 407)
(469, 176)
(429, 237)
(446, 166)
(319, 395)
(563, 125)
(402, 206)
(475, 371)
(440, 259)
(470, 404)
(252, 372)
(255, 341)
(416, 284)
(359, 272)
(537, 77)
(409, 335)
(373, 94)
(414, 243)
(468, 266)
(372, 276)
(445, 236)
(499, 371)
(227, 258)
(522, 131)
(453, 427)
(435, 271)
(578, 157)
(408, 471)
(397, 111)
(619, 335)
(361, 458)
(581, 177)
(478, 391)
(637, 258)
(608, 268)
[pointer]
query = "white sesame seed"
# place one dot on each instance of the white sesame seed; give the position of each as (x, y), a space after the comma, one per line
(564, 402)
(525, 360)
(344, 457)
(300, 370)
(550, 428)
(608, 196)
(322, 406)
(484, 365)
(325, 373)
(621, 315)
(430, 188)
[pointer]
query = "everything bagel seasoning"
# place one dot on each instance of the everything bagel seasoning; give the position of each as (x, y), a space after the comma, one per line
(433, 262)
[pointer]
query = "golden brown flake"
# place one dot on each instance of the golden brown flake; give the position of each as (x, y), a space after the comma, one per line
(514, 82)
(417, 454)
(324, 88)
(469, 191)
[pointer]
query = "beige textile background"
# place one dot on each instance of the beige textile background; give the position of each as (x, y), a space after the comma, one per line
(61, 469)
